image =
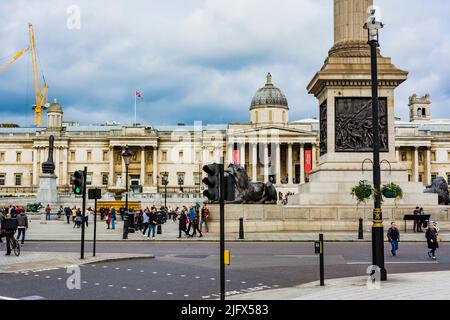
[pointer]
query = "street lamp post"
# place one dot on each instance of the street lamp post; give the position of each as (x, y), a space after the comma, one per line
(126, 154)
(165, 182)
(373, 26)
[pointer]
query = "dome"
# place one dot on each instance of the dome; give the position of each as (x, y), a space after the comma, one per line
(55, 107)
(269, 96)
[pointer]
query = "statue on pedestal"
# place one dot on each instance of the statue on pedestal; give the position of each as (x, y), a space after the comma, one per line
(48, 167)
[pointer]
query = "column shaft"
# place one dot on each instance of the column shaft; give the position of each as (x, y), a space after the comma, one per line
(155, 166)
(143, 166)
(278, 164)
(302, 163)
(254, 162)
(289, 167)
(416, 164)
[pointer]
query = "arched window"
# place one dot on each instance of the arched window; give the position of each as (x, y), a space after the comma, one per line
(424, 112)
(419, 112)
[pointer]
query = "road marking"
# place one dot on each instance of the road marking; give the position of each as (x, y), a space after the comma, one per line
(186, 295)
(206, 297)
(104, 267)
(110, 285)
(142, 271)
(117, 268)
(59, 278)
(260, 284)
(169, 293)
(7, 298)
(393, 262)
(197, 277)
(30, 298)
(213, 279)
(97, 284)
(168, 274)
(276, 286)
(154, 272)
(183, 276)
(138, 289)
(243, 282)
(154, 291)
(228, 280)
(85, 282)
(47, 277)
(124, 287)
(129, 269)
(36, 275)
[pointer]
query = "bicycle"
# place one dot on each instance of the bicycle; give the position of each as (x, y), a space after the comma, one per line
(15, 245)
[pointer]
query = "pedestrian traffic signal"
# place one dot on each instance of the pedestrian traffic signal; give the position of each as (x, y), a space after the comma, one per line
(212, 181)
(78, 182)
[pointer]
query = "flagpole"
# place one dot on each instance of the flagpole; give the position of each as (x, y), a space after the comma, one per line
(135, 120)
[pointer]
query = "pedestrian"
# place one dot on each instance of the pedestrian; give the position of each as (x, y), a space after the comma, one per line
(122, 213)
(74, 215)
(107, 214)
(86, 216)
(153, 221)
(78, 219)
(416, 213)
(182, 219)
(22, 226)
(48, 211)
(191, 216)
(145, 220)
(421, 213)
(432, 237)
(68, 213)
(204, 218)
(393, 235)
(9, 227)
(60, 212)
(113, 217)
(196, 223)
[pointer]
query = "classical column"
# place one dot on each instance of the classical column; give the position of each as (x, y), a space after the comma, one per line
(278, 164)
(35, 166)
(242, 154)
(254, 162)
(143, 166)
(111, 167)
(266, 162)
(302, 163)
(314, 156)
(65, 174)
(416, 164)
(230, 149)
(289, 166)
(155, 166)
(57, 168)
(428, 170)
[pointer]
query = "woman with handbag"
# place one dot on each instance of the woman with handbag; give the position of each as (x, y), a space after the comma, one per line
(432, 240)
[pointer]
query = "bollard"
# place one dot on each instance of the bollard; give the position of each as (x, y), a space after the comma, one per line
(360, 229)
(159, 229)
(241, 228)
(322, 271)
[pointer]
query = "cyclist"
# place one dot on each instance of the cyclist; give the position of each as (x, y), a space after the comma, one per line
(9, 227)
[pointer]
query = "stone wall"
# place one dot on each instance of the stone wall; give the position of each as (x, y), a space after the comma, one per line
(269, 218)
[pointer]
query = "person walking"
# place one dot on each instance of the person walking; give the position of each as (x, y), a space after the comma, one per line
(145, 221)
(22, 226)
(89, 211)
(393, 235)
(68, 213)
(122, 213)
(196, 224)
(113, 217)
(78, 219)
(191, 216)
(182, 222)
(107, 214)
(153, 222)
(204, 220)
(432, 237)
(74, 215)
(9, 227)
(48, 211)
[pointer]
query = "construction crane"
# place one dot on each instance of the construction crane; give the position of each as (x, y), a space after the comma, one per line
(39, 93)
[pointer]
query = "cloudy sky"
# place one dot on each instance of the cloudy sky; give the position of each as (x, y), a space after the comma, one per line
(203, 59)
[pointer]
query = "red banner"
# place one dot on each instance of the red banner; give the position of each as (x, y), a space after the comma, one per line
(236, 157)
(308, 161)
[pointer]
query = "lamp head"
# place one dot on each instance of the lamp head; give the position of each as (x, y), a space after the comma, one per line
(372, 26)
(126, 154)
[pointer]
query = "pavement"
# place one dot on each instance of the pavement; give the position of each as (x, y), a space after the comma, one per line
(57, 230)
(407, 286)
(39, 261)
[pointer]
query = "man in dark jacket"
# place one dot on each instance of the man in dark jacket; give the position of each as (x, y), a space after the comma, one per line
(432, 240)
(9, 227)
(393, 235)
(22, 226)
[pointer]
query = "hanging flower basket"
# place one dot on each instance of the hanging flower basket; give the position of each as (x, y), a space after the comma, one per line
(363, 191)
(392, 191)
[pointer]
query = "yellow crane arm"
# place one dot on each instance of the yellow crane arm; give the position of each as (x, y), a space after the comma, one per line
(13, 59)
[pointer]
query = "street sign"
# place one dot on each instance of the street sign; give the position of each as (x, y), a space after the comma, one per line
(94, 194)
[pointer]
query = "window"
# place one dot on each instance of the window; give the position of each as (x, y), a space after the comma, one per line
(419, 112)
(105, 179)
(404, 156)
(18, 156)
(420, 178)
(424, 112)
(420, 157)
(197, 156)
(72, 155)
(409, 178)
(2, 179)
(89, 156)
(18, 179)
(89, 179)
(197, 178)
(164, 156)
(180, 156)
(211, 155)
(105, 156)
(433, 176)
(2, 156)
(180, 178)
(433, 156)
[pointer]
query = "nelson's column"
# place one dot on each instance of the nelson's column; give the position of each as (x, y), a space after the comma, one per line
(343, 89)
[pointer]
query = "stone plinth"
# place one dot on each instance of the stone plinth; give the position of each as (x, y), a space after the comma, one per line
(276, 218)
(48, 193)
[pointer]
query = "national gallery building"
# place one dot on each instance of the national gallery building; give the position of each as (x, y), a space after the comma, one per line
(270, 146)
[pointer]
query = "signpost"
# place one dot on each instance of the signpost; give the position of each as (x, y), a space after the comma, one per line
(95, 194)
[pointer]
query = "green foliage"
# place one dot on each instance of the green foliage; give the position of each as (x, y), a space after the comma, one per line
(392, 191)
(363, 191)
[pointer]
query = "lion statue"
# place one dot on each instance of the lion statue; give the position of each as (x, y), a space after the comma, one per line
(250, 192)
(440, 187)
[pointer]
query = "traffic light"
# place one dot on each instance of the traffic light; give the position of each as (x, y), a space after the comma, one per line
(78, 182)
(212, 181)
